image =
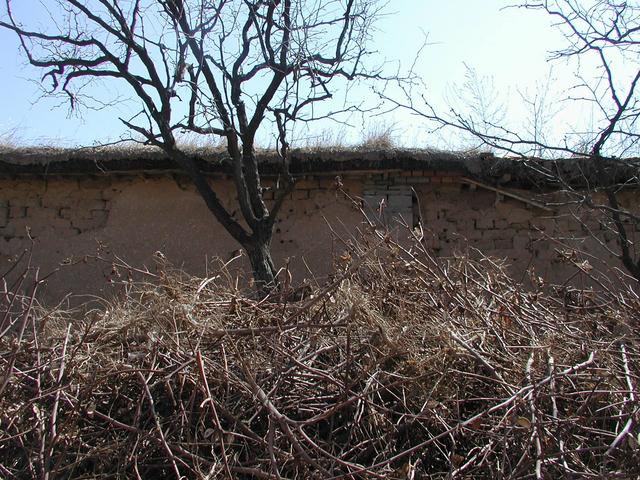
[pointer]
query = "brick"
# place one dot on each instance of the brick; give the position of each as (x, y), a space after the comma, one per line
(474, 234)
(400, 202)
(451, 191)
(95, 183)
(42, 215)
(516, 215)
(7, 231)
(57, 224)
(99, 214)
(374, 193)
(521, 242)
(399, 189)
(17, 211)
(520, 227)
(307, 184)
(546, 224)
(57, 201)
(501, 224)
(95, 204)
(301, 195)
(492, 234)
(17, 228)
(84, 224)
(4, 214)
(484, 223)
(66, 231)
(483, 245)
(503, 244)
(421, 180)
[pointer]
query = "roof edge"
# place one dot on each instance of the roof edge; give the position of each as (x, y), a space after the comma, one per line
(521, 172)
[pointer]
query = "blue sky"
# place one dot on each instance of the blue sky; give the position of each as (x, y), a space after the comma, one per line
(508, 47)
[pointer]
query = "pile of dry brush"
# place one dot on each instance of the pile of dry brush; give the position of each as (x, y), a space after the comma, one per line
(403, 366)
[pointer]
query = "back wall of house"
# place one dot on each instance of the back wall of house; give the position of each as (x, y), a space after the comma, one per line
(79, 225)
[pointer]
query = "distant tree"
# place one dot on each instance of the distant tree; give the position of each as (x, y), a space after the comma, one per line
(211, 67)
(603, 39)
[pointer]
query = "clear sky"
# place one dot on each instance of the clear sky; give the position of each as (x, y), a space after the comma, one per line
(507, 47)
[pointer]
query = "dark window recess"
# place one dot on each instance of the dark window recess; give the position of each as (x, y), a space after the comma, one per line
(389, 202)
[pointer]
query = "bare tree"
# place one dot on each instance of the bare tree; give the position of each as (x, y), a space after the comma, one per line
(603, 41)
(482, 101)
(211, 67)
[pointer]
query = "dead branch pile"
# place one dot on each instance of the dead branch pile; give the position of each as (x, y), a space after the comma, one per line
(403, 367)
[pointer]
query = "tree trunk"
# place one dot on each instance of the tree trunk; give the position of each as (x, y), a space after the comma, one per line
(264, 272)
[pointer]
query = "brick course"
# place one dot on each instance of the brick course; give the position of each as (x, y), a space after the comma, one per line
(133, 216)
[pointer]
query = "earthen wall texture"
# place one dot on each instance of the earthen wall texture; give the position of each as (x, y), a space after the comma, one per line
(77, 226)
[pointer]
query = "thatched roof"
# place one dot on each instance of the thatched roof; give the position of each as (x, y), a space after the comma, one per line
(522, 172)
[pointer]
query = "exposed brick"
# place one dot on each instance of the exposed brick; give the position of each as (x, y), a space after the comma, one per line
(57, 224)
(474, 234)
(492, 234)
(42, 215)
(95, 183)
(518, 227)
(503, 243)
(450, 191)
(7, 231)
(95, 204)
(326, 183)
(17, 211)
(399, 202)
(485, 223)
(501, 224)
(516, 215)
(17, 228)
(545, 224)
(483, 245)
(450, 212)
(4, 213)
(399, 189)
(300, 194)
(421, 180)
(57, 201)
(521, 242)
(307, 184)
(99, 214)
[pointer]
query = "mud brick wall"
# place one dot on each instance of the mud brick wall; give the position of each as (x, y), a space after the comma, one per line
(65, 208)
(78, 224)
(460, 216)
(74, 220)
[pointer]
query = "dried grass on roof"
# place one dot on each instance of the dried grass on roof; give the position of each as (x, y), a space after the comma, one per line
(403, 366)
